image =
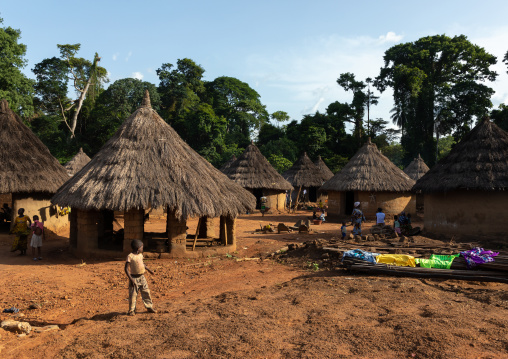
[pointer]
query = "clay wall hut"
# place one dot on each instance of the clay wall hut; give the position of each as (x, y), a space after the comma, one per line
(466, 193)
(146, 164)
(415, 170)
(373, 180)
(253, 171)
(29, 174)
(305, 175)
(77, 162)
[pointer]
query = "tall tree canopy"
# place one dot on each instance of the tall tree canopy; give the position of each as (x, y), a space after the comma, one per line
(15, 87)
(438, 85)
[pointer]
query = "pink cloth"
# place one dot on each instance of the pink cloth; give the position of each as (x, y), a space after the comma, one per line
(38, 224)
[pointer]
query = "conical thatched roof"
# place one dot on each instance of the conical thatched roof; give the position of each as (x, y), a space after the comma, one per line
(327, 174)
(26, 165)
(145, 164)
(416, 169)
(369, 170)
(478, 162)
(77, 162)
(305, 173)
(226, 165)
(252, 170)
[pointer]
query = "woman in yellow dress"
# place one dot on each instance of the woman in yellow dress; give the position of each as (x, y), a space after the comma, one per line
(21, 227)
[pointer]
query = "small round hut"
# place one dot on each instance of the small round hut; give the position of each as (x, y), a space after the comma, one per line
(373, 180)
(253, 172)
(415, 171)
(77, 163)
(29, 174)
(306, 176)
(147, 165)
(466, 192)
(323, 167)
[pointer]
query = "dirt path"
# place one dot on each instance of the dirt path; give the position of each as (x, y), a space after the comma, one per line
(223, 308)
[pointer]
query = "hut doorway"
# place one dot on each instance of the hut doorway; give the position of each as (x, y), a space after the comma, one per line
(258, 193)
(313, 194)
(110, 230)
(350, 202)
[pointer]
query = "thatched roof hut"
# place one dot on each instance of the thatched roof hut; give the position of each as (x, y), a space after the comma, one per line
(226, 165)
(466, 192)
(26, 165)
(416, 169)
(77, 162)
(327, 173)
(29, 174)
(147, 164)
(372, 179)
(478, 162)
(253, 171)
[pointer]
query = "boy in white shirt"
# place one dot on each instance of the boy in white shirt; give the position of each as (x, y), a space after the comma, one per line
(380, 217)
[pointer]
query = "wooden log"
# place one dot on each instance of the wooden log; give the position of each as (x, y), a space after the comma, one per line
(197, 232)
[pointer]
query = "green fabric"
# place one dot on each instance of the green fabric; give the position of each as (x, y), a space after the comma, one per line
(437, 261)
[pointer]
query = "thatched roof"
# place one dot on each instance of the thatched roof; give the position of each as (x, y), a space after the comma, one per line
(146, 164)
(369, 170)
(416, 169)
(26, 165)
(305, 173)
(226, 165)
(252, 170)
(77, 162)
(327, 174)
(478, 162)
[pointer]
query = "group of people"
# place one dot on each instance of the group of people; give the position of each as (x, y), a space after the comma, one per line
(401, 221)
(22, 228)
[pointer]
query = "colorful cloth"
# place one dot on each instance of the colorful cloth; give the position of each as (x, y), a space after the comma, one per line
(20, 229)
(401, 260)
(437, 261)
(360, 254)
(478, 256)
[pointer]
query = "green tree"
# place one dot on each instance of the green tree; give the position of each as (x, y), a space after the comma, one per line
(505, 60)
(438, 85)
(395, 153)
(280, 163)
(15, 87)
(500, 116)
(240, 105)
(445, 146)
(280, 117)
(53, 77)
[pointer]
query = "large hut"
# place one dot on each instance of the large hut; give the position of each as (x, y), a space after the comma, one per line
(29, 174)
(77, 162)
(466, 193)
(306, 177)
(253, 171)
(415, 171)
(147, 165)
(373, 180)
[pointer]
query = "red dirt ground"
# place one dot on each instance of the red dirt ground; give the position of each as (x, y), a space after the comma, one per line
(227, 307)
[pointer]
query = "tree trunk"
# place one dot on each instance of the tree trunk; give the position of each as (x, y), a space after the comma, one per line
(81, 98)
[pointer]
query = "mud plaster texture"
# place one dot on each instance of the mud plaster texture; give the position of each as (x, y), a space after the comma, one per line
(39, 204)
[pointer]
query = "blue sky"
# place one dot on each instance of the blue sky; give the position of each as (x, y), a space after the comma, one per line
(290, 52)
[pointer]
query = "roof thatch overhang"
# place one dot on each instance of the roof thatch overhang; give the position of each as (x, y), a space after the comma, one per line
(77, 162)
(304, 173)
(147, 164)
(416, 169)
(478, 162)
(26, 165)
(253, 171)
(369, 170)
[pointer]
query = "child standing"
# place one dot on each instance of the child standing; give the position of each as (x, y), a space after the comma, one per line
(380, 217)
(343, 230)
(37, 237)
(396, 224)
(135, 269)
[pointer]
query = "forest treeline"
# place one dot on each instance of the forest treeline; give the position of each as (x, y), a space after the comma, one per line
(440, 88)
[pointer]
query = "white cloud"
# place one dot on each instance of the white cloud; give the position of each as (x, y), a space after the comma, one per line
(137, 75)
(390, 37)
(115, 56)
(128, 56)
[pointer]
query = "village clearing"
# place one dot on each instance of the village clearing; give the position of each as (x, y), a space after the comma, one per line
(239, 306)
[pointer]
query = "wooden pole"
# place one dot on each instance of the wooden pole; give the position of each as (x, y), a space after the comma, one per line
(290, 200)
(196, 235)
(297, 199)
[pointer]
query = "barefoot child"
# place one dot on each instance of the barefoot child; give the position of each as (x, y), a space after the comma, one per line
(135, 269)
(37, 237)
(343, 230)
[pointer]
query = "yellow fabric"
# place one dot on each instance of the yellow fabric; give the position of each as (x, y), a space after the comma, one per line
(402, 260)
(21, 225)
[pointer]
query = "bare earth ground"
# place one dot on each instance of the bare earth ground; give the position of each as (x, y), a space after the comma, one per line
(221, 307)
